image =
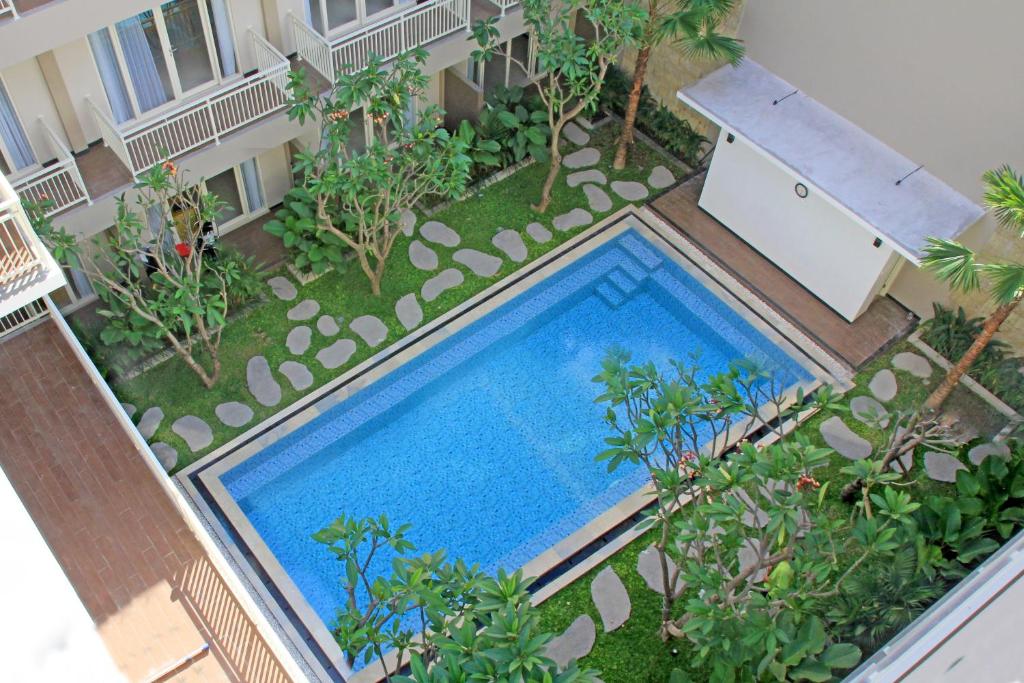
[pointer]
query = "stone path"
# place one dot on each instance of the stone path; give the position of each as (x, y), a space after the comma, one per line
(660, 178)
(511, 244)
(915, 364)
(337, 354)
(589, 176)
(575, 134)
(942, 466)
(129, 409)
(753, 516)
(298, 340)
(422, 256)
(304, 310)
(629, 190)
(407, 222)
(370, 328)
(150, 422)
(283, 288)
(588, 156)
(574, 643)
(610, 598)
(298, 374)
(883, 385)
(196, 433)
(648, 566)
(166, 454)
(446, 279)
(841, 439)
(748, 556)
(262, 384)
(538, 233)
(483, 265)
(439, 233)
(327, 326)
(870, 412)
(978, 454)
(906, 460)
(573, 219)
(233, 413)
(409, 312)
(597, 199)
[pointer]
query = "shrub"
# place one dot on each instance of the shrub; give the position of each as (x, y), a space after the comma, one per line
(517, 123)
(295, 224)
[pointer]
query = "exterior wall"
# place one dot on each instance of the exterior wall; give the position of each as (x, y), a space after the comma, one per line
(81, 79)
(27, 90)
(275, 167)
(462, 99)
(246, 14)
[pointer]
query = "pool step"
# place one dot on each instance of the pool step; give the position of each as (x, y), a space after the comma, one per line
(641, 252)
(610, 294)
(623, 282)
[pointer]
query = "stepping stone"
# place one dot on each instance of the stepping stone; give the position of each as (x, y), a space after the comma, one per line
(942, 466)
(648, 566)
(843, 441)
(749, 556)
(629, 190)
(337, 354)
(538, 233)
(233, 413)
(575, 134)
(196, 433)
(435, 231)
(422, 256)
(484, 265)
(297, 373)
(282, 288)
(298, 340)
(407, 222)
(130, 409)
(327, 326)
(610, 598)
(262, 384)
(165, 454)
(590, 176)
(150, 422)
(883, 385)
(906, 460)
(409, 312)
(575, 643)
(573, 219)
(660, 178)
(978, 454)
(511, 243)
(753, 516)
(446, 279)
(916, 365)
(304, 310)
(870, 412)
(597, 198)
(370, 328)
(588, 156)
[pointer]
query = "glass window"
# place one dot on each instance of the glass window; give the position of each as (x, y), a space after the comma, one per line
(188, 43)
(220, 24)
(340, 12)
(110, 74)
(144, 58)
(251, 182)
(15, 142)
(225, 187)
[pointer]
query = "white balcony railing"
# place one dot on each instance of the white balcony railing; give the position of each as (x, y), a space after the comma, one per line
(8, 10)
(504, 5)
(60, 182)
(387, 38)
(199, 122)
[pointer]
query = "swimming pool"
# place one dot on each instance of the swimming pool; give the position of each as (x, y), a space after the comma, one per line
(485, 443)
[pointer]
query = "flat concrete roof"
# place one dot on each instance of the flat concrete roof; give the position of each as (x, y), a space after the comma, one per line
(846, 163)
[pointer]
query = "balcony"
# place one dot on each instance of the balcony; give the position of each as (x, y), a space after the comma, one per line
(59, 181)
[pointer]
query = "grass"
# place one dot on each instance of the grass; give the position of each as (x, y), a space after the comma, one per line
(262, 329)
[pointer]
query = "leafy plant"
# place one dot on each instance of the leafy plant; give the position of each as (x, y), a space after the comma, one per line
(994, 492)
(517, 124)
(310, 250)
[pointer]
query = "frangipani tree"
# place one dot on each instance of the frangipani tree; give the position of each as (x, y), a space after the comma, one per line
(958, 266)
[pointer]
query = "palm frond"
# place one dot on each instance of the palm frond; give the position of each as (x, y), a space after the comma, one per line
(952, 262)
(716, 10)
(1004, 194)
(1007, 281)
(708, 45)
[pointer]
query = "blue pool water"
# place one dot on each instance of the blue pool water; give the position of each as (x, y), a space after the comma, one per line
(486, 442)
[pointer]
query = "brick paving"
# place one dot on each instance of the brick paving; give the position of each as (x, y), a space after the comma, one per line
(137, 567)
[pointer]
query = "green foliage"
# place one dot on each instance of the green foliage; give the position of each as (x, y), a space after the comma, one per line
(310, 250)
(518, 124)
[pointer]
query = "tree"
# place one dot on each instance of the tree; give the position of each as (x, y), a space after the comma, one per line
(359, 197)
(161, 282)
(694, 23)
(958, 266)
(573, 69)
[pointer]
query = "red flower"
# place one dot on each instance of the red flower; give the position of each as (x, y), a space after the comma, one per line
(169, 167)
(806, 481)
(184, 250)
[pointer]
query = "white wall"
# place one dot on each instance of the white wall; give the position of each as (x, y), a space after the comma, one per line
(31, 98)
(277, 175)
(824, 249)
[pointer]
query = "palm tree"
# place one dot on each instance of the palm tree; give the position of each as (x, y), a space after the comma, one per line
(695, 24)
(958, 266)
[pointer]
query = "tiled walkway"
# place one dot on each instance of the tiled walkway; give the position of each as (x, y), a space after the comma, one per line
(137, 567)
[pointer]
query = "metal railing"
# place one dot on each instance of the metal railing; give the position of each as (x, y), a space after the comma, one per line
(504, 5)
(199, 122)
(21, 252)
(25, 315)
(60, 182)
(7, 7)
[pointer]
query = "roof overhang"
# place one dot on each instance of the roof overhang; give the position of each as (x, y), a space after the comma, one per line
(890, 195)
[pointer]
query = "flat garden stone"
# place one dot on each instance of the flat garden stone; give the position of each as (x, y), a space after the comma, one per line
(407, 222)
(660, 178)
(337, 354)
(749, 556)
(370, 328)
(648, 566)
(297, 373)
(446, 279)
(574, 643)
(573, 219)
(915, 364)
(435, 231)
(883, 385)
(588, 156)
(233, 413)
(978, 454)
(194, 430)
(597, 199)
(262, 384)
(589, 176)
(538, 233)
(327, 326)
(870, 412)
(150, 422)
(304, 310)
(630, 190)
(610, 598)
(942, 466)
(130, 409)
(484, 265)
(906, 460)
(408, 311)
(166, 454)
(575, 134)
(842, 439)
(422, 256)
(282, 288)
(511, 243)
(298, 340)
(753, 515)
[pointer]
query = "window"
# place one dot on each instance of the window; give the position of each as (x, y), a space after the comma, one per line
(340, 13)
(240, 188)
(15, 150)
